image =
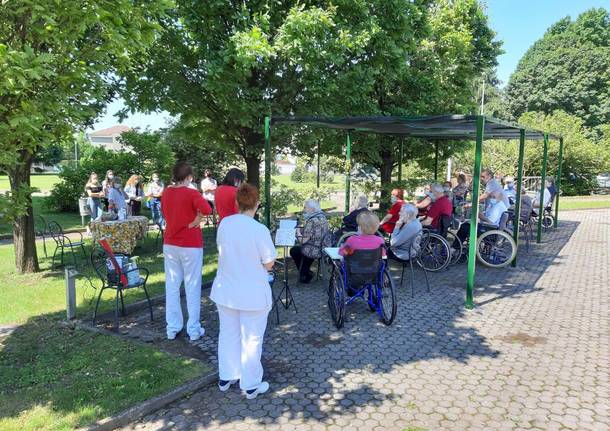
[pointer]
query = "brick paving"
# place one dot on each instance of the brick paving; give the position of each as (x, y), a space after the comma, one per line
(533, 354)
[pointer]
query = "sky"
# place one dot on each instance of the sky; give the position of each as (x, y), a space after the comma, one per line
(518, 23)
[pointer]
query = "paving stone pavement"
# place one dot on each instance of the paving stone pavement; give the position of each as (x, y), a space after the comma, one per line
(533, 354)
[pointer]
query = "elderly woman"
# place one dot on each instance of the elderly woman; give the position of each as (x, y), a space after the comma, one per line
(242, 294)
(350, 221)
(314, 236)
(403, 243)
(368, 223)
(389, 221)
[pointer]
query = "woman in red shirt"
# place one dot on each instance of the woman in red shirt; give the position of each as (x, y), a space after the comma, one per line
(183, 209)
(224, 198)
(390, 219)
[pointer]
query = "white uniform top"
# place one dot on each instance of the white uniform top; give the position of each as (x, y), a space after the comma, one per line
(210, 184)
(241, 282)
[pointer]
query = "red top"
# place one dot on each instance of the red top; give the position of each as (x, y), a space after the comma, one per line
(395, 210)
(180, 207)
(225, 201)
(441, 207)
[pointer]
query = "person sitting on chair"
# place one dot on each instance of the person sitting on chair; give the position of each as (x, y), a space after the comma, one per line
(390, 219)
(368, 223)
(509, 189)
(461, 190)
(350, 221)
(403, 244)
(314, 237)
(442, 206)
(491, 216)
(546, 200)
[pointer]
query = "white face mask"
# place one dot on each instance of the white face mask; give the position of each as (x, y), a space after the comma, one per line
(393, 199)
(155, 180)
(110, 176)
(117, 186)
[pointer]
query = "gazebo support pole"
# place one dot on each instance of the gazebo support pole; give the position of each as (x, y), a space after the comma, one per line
(268, 171)
(348, 168)
(517, 219)
(558, 181)
(400, 156)
(436, 162)
(318, 174)
(542, 188)
(474, 216)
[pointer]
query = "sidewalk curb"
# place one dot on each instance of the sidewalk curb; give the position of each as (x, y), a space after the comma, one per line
(138, 411)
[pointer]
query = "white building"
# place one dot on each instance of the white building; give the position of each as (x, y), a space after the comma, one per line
(108, 138)
(286, 167)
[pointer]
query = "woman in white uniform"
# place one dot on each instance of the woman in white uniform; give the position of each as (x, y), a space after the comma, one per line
(242, 294)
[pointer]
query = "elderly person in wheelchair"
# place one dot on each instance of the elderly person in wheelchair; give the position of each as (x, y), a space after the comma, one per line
(489, 218)
(362, 272)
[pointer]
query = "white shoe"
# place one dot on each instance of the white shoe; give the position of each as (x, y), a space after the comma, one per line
(224, 385)
(171, 335)
(260, 389)
(201, 334)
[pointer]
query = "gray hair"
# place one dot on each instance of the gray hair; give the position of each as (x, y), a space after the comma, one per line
(362, 201)
(437, 188)
(313, 204)
(409, 210)
(488, 172)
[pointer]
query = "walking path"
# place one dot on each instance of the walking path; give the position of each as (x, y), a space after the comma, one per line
(533, 354)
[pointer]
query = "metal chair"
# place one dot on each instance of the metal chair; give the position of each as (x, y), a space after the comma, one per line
(112, 276)
(62, 242)
(325, 241)
(42, 230)
(415, 245)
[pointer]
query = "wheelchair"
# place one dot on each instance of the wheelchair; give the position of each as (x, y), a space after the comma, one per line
(496, 247)
(365, 275)
(436, 246)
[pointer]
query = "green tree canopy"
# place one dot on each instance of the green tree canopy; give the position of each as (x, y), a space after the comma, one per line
(60, 63)
(568, 69)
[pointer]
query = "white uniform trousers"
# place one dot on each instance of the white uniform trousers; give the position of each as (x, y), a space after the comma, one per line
(240, 345)
(183, 264)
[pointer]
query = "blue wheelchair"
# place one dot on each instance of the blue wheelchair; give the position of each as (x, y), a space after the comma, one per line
(365, 275)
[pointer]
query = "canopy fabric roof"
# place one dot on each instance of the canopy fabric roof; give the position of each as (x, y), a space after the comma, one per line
(456, 127)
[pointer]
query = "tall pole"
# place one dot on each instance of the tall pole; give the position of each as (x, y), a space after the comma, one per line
(436, 161)
(400, 157)
(268, 171)
(449, 168)
(318, 175)
(558, 182)
(348, 168)
(542, 188)
(517, 219)
(474, 215)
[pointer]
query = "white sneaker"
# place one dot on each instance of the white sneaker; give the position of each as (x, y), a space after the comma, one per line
(201, 334)
(171, 335)
(224, 385)
(260, 389)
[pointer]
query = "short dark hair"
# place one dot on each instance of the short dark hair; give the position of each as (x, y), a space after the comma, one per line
(181, 170)
(232, 176)
(247, 197)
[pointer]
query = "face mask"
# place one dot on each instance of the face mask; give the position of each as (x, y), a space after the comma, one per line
(110, 176)
(447, 189)
(493, 201)
(155, 180)
(117, 186)
(393, 199)
(510, 186)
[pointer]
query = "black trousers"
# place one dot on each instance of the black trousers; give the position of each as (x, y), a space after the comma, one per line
(464, 232)
(297, 255)
(133, 208)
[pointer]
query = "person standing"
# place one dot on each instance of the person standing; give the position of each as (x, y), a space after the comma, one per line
(242, 295)
(182, 210)
(106, 186)
(208, 187)
(116, 196)
(224, 197)
(154, 192)
(492, 186)
(135, 193)
(95, 193)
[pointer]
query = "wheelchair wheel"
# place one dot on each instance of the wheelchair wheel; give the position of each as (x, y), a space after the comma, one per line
(387, 298)
(435, 254)
(456, 252)
(336, 298)
(496, 248)
(547, 221)
(344, 238)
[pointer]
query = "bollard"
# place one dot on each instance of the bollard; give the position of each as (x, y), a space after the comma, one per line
(71, 274)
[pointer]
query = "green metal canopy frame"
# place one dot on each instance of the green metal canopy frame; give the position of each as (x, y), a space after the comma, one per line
(439, 127)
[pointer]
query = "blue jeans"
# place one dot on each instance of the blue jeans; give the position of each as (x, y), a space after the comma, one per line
(96, 208)
(155, 208)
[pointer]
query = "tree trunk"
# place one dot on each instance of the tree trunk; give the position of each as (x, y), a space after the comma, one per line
(253, 164)
(24, 238)
(387, 162)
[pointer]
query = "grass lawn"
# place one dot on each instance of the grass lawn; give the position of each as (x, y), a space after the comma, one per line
(44, 182)
(26, 295)
(584, 202)
(53, 377)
